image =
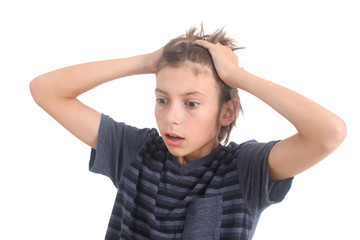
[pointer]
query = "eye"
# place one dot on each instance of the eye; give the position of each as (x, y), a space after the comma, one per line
(191, 104)
(162, 101)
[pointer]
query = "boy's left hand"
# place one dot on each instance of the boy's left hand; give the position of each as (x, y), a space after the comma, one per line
(320, 132)
(225, 60)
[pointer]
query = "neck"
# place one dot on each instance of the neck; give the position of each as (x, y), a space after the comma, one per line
(197, 155)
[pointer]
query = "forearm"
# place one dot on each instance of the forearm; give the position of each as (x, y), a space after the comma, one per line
(56, 92)
(313, 122)
(70, 82)
(319, 131)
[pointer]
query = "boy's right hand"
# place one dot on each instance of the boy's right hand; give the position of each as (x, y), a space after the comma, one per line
(153, 60)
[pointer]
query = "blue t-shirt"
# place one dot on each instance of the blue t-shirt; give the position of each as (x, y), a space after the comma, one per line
(219, 196)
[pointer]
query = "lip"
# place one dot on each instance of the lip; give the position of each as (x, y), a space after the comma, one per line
(173, 139)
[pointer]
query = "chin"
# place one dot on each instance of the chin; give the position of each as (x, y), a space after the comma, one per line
(176, 151)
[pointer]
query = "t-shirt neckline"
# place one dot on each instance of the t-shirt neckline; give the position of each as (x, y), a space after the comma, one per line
(183, 170)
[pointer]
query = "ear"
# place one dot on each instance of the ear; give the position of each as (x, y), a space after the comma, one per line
(227, 114)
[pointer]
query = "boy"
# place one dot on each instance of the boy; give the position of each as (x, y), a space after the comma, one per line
(182, 183)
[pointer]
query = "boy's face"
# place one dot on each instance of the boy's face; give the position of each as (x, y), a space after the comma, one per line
(187, 111)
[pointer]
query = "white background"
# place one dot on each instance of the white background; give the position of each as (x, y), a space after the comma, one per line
(309, 46)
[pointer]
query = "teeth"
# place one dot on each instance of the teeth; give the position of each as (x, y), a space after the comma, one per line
(174, 138)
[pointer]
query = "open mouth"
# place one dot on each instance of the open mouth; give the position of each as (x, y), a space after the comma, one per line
(173, 140)
(173, 137)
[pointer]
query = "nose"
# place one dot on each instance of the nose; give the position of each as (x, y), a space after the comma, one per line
(174, 114)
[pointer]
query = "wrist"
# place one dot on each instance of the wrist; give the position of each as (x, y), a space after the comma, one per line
(236, 78)
(145, 64)
(140, 64)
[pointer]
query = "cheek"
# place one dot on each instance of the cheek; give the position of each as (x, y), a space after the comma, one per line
(205, 121)
(158, 116)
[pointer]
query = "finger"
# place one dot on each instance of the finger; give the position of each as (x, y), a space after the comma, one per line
(203, 43)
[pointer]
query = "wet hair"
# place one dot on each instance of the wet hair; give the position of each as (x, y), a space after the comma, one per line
(180, 51)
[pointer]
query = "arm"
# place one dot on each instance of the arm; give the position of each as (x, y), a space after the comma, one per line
(320, 132)
(57, 91)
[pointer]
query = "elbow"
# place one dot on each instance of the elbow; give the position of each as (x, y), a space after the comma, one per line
(335, 136)
(37, 90)
(34, 89)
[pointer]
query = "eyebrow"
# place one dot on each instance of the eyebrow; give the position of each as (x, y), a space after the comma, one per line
(185, 94)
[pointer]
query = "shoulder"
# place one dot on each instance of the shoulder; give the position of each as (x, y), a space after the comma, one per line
(111, 127)
(146, 142)
(249, 153)
(122, 138)
(251, 147)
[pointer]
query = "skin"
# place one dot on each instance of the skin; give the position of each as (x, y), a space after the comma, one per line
(57, 91)
(188, 106)
(319, 132)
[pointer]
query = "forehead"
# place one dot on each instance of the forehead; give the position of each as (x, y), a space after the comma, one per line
(187, 78)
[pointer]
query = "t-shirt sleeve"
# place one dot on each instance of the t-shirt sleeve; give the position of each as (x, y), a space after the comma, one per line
(117, 146)
(253, 171)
